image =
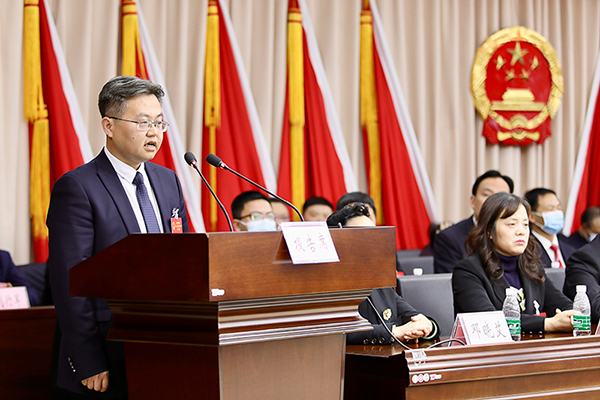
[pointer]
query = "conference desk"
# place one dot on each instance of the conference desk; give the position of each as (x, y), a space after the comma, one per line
(26, 338)
(551, 366)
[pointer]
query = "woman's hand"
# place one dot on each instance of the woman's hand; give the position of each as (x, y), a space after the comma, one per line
(561, 322)
(419, 326)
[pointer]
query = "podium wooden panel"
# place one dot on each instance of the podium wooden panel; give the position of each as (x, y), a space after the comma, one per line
(228, 316)
(560, 367)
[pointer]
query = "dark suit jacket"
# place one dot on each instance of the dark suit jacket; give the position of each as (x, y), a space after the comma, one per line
(449, 246)
(565, 249)
(10, 273)
(88, 212)
(583, 268)
(475, 292)
(576, 240)
(401, 312)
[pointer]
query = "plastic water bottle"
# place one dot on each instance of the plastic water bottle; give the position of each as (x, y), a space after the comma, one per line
(512, 313)
(582, 324)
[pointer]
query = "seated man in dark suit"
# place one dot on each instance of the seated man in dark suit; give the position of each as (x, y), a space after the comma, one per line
(590, 227)
(390, 315)
(583, 268)
(11, 276)
(547, 220)
(449, 246)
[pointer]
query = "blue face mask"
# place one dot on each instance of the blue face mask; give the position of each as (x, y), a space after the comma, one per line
(554, 221)
(262, 225)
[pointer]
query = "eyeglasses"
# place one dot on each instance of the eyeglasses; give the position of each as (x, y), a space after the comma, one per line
(257, 216)
(145, 125)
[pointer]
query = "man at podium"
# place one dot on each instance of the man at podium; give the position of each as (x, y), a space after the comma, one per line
(96, 205)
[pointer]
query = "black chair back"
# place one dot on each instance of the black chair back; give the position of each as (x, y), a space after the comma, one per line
(431, 295)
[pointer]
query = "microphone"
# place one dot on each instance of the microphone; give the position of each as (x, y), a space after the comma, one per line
(217, 162)
(190, 158)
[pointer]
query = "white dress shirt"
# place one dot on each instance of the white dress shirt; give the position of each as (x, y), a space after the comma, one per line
(546, 245)
(126, 175)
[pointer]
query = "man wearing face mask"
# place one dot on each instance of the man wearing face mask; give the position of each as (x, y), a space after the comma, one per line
(590, 227)
(252, 212)
(547, 220)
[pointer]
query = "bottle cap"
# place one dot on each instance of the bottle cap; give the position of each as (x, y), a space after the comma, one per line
(581, 288)
(511, 291)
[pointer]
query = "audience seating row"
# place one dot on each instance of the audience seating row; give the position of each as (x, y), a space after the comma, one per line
(431, 294)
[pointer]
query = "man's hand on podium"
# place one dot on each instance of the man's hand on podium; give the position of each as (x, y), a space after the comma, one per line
(98, 382)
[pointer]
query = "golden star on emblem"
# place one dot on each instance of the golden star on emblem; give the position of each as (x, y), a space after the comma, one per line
(517, 54)
(510, 75)
(499, 62)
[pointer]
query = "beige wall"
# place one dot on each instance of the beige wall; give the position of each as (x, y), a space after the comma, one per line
(433, 44)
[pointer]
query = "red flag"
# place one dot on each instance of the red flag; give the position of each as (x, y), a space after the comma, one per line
(314, 160)
(398, 180)
(58, 140)
(585, 187)
(139, 59)
(231, 126)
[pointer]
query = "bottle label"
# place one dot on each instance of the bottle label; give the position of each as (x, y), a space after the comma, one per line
(582, 323)
(514, 326)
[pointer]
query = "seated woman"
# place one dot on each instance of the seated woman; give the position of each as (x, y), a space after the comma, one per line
(505, 256)
(388, 313)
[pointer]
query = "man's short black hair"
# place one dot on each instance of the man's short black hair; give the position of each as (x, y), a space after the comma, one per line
(355, 197)
(346, 213)
(112, 100)
(237, 206)
(533, 196)
(492, 174)
(589, 215)
(316, 201)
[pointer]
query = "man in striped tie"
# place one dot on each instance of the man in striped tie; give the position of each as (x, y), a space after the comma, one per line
(117, 193)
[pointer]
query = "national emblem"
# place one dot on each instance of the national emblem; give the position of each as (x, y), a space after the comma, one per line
(517, 85)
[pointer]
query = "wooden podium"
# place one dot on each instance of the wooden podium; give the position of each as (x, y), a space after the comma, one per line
(228, 316)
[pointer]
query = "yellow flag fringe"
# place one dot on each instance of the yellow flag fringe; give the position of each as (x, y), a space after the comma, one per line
(295, 59)
(132, 56)
(36, 113)
(368, 109)
(39, 189)
(212, 95)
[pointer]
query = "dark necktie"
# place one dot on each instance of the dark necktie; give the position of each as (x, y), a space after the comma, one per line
(145, 204)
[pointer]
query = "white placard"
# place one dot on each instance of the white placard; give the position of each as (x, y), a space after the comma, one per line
(481, 328)
(13, 297)
(309, 242)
